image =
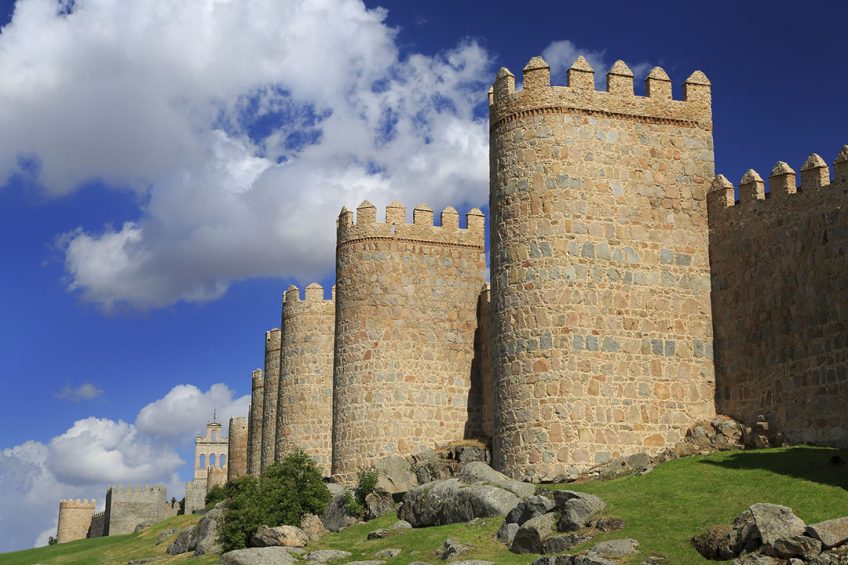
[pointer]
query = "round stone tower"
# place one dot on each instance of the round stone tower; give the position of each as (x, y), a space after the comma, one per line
(74, 519)
(271, 390)
(237, 450)
(254, 424)
(599, 264)
(305, 403)
(406, 304)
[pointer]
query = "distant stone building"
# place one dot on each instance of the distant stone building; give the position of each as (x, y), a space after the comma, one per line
(210, 460)
(74, 519)
(128, 507)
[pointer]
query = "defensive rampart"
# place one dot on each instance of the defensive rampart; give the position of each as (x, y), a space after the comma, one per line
(74, 519)
(406, 306)
(237, 448)
(599, 263)
(254, 424)
(779, 278)
(305, 398)
(271, 391)
(127, 507)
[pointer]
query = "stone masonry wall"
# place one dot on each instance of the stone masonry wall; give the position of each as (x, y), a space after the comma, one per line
(195, 495)
(305, 398)
(74, 519)
(481, 397)
(779, 279)
(406, 305)
(271, 390)
(254, 423)
(97, 529)
(127, 507)
(237, 449)
(599, 262)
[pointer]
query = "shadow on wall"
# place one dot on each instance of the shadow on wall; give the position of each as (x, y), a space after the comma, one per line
(822, 465)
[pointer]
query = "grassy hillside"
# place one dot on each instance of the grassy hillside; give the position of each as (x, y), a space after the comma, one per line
(662, 509)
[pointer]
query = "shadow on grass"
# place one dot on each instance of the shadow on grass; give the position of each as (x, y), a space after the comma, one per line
(816, 464)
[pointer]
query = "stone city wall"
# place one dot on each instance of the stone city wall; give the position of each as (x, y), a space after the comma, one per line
(271, 390)
(406, 313)
(237, 448)
(74, 519)
(305, 398)
(599, 263)
(254, 425)
(127, 507)
(779, 278)
(97, 529)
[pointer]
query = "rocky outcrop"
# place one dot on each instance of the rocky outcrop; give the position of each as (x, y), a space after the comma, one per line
(258, 556)
(769, 533)
(201, 538)
(280, 536)
(312, 526)
(378, 503)
(335, 517)
(576, 509)
(451, 501)
(533, 532)
(327, 555)
(604, 553)
(395, 474)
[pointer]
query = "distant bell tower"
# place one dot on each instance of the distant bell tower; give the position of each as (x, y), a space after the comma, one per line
(210, 450)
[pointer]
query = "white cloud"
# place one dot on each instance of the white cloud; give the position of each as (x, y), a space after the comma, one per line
(95, 453)
(85, 391)
(243, 126)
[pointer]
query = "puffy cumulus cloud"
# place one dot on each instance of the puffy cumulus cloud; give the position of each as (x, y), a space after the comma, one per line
(95, 453)
(85, 391)
(186, 409)
(243, 126)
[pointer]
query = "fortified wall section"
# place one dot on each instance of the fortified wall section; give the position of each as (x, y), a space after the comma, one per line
(406, 309)
(599, 263)
(74, 519)
(481, 396)
(97, 529)
(237, 448)
(195, 495)
(305, 397)
(127, 507)
(271, 390)
(254, 423)
(779, 279)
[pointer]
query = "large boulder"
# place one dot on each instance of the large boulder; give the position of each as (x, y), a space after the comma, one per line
(451, 501)
(208, 529)
(576, 509)
(797, 546)
(615, 549)
(280, 536)
(764, 524)
(831, 533)
(530, 507)
(327, 555)
(312, 526)
(479, 472)
(185, 542)
(378, 503)
(562, 542)
(716, 543)
(335, 517)
(258, 556)
(395, 474)
(532, 533)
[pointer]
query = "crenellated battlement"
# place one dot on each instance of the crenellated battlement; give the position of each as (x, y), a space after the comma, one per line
(148, 489)
(272, 338)
(539, 97)
(422, 228)
(84, 503)
(313, 294)
(782, 183)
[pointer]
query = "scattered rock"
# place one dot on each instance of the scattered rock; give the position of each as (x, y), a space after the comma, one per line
(831, 533)
(312, 526)
(286, 536)
(185, 542)
(796, 546)
(716, 544)
(530, 507)
(141, 527)
(378, 503)
(164, 535)
(393, 530)
(335, 517)
(451, 501)
(468, 454)
(388, 553)
(562, 542)
(532, 533)
(507, 532)
(401, 525)
(258, 556)
(477, 471)
(395, 474)
(764, 524)
(757, 559)
(206, 535)
(453, 548)
(576, 509)
(616, 548)
(326, 555)
(607, 524)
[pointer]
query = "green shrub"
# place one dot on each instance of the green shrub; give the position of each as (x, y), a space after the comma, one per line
(215, 495)
(282, 495)
(52, 540)
(366, 482)
(352, 506)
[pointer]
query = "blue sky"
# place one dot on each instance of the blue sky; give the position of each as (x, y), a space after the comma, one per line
(166, 181)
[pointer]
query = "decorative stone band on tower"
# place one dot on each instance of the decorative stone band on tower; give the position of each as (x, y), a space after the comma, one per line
(600, 271)
(779, 280)
(305, 403)
(74, 519)
(406, 306)
(272, 383)
(254, 424)
(237, 451)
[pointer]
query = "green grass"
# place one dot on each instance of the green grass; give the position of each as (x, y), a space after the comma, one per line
(111, 550)
(662, 510)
